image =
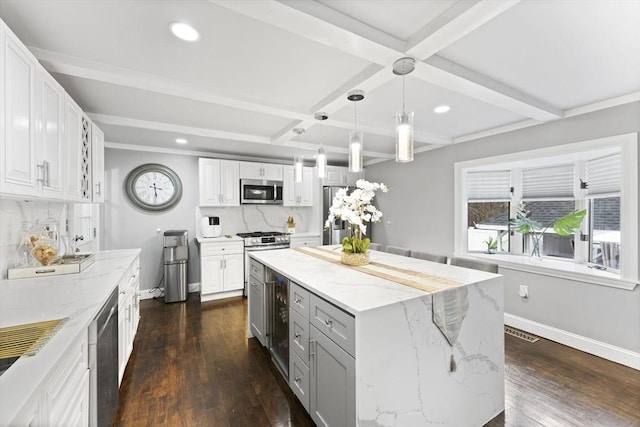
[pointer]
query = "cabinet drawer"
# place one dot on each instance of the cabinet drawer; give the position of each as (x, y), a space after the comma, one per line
(256, 270)
(207, 249)
(299, 379)
(299, 335)
(304, 241)
(338, 325)
(68, 374)
(299, 299)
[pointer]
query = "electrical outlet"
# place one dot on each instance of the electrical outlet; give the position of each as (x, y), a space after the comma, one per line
(524, 291)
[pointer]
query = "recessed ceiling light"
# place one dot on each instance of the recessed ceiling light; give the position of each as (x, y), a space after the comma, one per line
(181, 140)
(184, 31)
(441, 109)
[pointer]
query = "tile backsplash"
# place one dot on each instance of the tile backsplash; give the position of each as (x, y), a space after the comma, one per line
(12, 215)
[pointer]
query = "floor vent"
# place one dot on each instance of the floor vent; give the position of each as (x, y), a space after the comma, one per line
(520, 334)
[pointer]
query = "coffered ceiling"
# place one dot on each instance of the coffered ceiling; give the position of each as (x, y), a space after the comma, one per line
(264, 67)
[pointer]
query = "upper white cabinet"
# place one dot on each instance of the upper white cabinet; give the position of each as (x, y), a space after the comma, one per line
(297, 194)
(340, 176)
(18, 169)
(219, 182)
(97, 163)
(266, 171)
(45, 141)
(73, 142)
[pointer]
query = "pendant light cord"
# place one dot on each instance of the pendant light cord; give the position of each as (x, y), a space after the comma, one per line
(403, 94)
(355, 116)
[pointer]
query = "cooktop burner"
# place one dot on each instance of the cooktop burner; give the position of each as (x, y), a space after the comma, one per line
(260, 234)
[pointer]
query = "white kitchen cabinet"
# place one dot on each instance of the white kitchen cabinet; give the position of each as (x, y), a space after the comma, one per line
(97, 163)
(262, 171)
(221, 270)
(73, 149)
(340, 176)
(63, 399)
(219, 182)
(295, 240)
(298, 194)
(49, 136)
(332, 382)
(128, 315)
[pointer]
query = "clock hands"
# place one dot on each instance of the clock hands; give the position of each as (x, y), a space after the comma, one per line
(155, 189)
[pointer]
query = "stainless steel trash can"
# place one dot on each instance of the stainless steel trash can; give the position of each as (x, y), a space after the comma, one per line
(176, 259)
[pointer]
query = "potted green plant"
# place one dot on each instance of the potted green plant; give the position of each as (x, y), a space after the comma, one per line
(492, 244)
(563, 226)
(356, 208)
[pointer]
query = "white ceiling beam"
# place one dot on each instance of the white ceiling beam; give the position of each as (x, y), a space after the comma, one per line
(448, 74)
(456, 22)
(179, 129)
(87, 69)
(314, 21)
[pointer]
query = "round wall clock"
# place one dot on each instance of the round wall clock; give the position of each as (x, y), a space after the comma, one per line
(153, 187)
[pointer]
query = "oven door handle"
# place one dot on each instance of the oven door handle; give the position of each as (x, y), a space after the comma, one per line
(265, 248)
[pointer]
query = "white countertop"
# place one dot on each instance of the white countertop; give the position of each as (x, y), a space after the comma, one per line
(222, 239)
(77, 297)
(354, 291)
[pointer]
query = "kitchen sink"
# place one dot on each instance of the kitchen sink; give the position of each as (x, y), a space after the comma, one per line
(66, 264)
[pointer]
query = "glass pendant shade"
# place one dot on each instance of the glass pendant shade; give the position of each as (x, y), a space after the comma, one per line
(355, 151)
(404, 137)
(321, 163)
(298, 164)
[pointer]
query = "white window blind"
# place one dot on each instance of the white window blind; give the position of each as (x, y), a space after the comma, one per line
(489, 185)
(548, 182)
(603, 174)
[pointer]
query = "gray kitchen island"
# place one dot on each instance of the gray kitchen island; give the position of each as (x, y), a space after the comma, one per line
(365, 350)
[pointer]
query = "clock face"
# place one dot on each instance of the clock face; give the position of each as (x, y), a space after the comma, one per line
(154, 187)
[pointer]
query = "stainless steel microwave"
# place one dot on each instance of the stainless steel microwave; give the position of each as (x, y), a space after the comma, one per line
(260, 192)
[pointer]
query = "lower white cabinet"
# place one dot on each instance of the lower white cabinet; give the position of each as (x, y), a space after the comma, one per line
(221, 270)
(128, 315)
(63, 400)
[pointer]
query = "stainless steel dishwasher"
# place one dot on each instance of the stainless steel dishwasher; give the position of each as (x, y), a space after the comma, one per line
(103, 364)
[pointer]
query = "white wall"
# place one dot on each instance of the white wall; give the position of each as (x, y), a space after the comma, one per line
(420, 210)
(125, 226)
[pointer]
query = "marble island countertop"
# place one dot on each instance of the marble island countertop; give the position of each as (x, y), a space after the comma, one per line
(357, 292)
(77, 297)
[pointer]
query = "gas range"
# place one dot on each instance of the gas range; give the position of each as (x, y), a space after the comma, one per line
(265, 240)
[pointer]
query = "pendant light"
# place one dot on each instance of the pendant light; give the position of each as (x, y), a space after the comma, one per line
(298, 160)
(356, 140)
(404, 120)
(321, 157)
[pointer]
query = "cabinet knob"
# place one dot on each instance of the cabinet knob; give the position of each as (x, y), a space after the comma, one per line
(297, 379)
(298, 300)
(297, 335)
(328, 322)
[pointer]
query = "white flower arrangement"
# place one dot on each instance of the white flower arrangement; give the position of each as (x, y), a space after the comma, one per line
(357, 209)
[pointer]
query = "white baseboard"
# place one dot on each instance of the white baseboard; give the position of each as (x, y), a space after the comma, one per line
(606, 351)
(145, 294)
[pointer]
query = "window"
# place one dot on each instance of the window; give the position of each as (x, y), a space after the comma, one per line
(604, 247)
(488, 208)
(551, 183)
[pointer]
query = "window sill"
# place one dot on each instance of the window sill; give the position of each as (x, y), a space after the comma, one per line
(556, 268)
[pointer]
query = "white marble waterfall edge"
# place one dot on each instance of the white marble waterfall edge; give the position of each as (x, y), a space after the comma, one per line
(402, 364)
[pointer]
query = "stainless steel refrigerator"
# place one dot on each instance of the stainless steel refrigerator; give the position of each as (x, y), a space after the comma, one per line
(338, 230)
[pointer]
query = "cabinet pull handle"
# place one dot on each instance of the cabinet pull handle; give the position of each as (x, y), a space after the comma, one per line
(296, 335)
(297, 379)
(47, 169)
(42, 173)
(98, 188)
(311, 353)
(328, 322)
(298, 300)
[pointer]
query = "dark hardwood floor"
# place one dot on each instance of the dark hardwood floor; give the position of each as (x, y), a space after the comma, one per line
(192, 365)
